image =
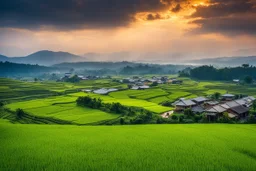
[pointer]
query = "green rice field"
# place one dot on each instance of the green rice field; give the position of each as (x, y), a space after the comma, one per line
(57, 99)
(147, 147)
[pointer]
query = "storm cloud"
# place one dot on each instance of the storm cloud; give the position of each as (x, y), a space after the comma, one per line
(229, 17)
(76, 14)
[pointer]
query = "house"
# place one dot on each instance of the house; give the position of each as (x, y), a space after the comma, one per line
(239, 111)
(228, 97)
(197, 109)
(86, 90)
(183, 104)
(175, 81)
(101, 91)
(249, 101)
(144, 87)
(214, 112)
(209, 104)
(104, 91)
(68, 74)
(236, 80)
(200, 100)
(140, 87)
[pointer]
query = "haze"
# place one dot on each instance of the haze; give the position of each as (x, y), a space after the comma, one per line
(144, 29)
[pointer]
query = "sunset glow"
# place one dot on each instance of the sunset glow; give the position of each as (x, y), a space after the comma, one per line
(195, 29)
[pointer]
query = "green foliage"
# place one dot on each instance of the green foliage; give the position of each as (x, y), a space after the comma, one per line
(188, 112)
(19, 113)
(248, 79)
(154, 84)
(211, 73)
(254, 105)
(216, 96)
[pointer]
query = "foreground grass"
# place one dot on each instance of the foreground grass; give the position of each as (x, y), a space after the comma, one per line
(147, 147)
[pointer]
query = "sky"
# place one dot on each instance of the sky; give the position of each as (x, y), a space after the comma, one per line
(138, 29)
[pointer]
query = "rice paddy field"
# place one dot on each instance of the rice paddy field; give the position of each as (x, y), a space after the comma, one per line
(146, 147)
(67, 146)
(57, 99)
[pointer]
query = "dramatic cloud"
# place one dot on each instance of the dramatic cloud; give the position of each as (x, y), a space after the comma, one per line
(76, 14)
(229, 17)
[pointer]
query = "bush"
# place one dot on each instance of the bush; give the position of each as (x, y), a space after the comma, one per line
(19, 113)
(167, 103)
(174, 117)
(122, 122)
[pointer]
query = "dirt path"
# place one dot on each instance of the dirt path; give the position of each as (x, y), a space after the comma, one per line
(167, 114)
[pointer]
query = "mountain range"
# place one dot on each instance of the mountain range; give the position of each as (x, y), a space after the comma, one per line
(45, 57)
(48, 58)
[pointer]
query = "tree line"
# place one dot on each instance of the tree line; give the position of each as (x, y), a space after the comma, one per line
(245, 72)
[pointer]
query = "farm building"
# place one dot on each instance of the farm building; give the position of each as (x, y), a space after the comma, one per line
(183, 104)
(228, 97)
(140, 87)
(199, 100)
(175, 81)
(104, 91)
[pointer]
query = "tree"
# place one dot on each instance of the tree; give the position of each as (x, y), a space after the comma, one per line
(19, 113)
(154, 84)
(35, 79)
(1, 104)
(122, 122)
(245, 65)
(216, 96)
(188, 112)
(248, 80)
(254, 105)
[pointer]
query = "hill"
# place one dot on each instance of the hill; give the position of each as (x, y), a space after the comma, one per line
(227, 61)
(45, 57)
(3, 58)
(8, 69)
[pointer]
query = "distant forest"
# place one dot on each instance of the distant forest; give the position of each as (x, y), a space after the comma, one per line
(223, 74)
(8, 69)
(13, 69)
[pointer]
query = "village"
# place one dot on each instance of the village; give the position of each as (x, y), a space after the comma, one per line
(213, 109)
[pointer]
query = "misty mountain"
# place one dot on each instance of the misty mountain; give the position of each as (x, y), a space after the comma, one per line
(45, 57)
(227, 61)
(3, 58)
(8, 69)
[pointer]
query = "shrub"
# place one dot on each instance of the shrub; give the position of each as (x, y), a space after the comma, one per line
(19, 113)
(122, 122)
(174, 117)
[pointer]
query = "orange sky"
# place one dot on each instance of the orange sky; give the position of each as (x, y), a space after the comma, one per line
(168, 33)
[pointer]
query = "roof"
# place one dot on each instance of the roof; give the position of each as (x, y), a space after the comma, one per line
(101, 91)
(212, 102)
(197, 109)
(144, 86)
(240, 109)
(228, 95)
(232, 104)
(104, 91)
(184, 103)
(200, 99)
(241, 101)
(216, 109)
(135, 88)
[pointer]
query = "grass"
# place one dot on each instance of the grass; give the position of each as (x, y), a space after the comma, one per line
(146, 147)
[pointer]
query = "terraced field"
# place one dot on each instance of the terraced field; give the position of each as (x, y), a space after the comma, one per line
(62, 106)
